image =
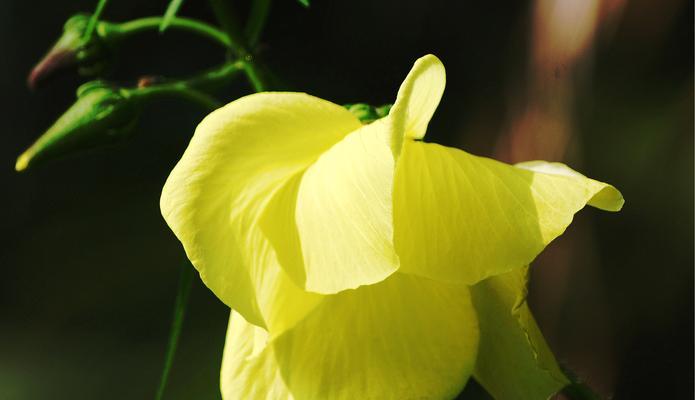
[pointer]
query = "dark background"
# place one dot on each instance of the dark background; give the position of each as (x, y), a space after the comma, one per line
(89, 268)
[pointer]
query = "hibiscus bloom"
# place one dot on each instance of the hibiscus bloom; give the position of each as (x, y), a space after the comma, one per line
(360, 262)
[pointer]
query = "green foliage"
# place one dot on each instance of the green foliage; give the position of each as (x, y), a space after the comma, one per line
(89, 52)
(367, 113)
(101, 115)
(256, 22)
(95, 19)
(184, 290)
(170, 13)
(105, 112)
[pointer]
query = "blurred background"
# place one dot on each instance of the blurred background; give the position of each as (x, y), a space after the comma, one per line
(89, 268)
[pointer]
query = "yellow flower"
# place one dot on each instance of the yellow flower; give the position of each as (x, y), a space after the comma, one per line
(361, 262)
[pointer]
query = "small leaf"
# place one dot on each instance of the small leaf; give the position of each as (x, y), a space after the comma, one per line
(367, 113)
(185, 281)
(305, 3)
(94, 19)
(364, 112)
(170, 13)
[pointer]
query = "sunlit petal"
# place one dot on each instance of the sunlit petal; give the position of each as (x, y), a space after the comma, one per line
(404, 338)
(514, 361)
(240, 157)
(344, 214)
(464, 218)
(418, 98)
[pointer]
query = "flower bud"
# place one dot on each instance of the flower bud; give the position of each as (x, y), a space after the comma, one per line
(384, 110)
(74, 47)
(101, 115)
(364, 112)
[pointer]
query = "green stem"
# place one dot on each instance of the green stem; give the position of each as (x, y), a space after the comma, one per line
(229, 22)
(92, 24)
(179, 90)
(227, 19)
(193, 89)
(185, 281)
(217, 77)
(256, 22)
(255, 76)
(185, 24)
(169, 14)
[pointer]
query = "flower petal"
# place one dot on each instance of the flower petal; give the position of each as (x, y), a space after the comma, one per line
(514, 361)
(344, 206)
(418, 98)
(404, 338)
(289, 303)
(605, 196)
(249, 370)
(240, 157)
(464, 218)
(344, 214)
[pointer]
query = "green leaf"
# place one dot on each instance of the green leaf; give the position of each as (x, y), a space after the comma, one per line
(305, 3)
(367, 113)
(95, 18)
(256, 21)
(185, 283)
(170, 13)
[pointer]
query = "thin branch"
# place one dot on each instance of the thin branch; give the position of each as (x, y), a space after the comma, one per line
(92, 24)
(193, 89)
(229, 22)
(185, 24)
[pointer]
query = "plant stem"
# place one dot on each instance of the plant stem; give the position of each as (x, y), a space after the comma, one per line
(255, 76)
(185, 281)
(169, 14)
(217, 77)
(227, 19)
(190, 89)
(91, 25)
(185, 24)
(256, 22)
(179, 90)
(193, 89)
